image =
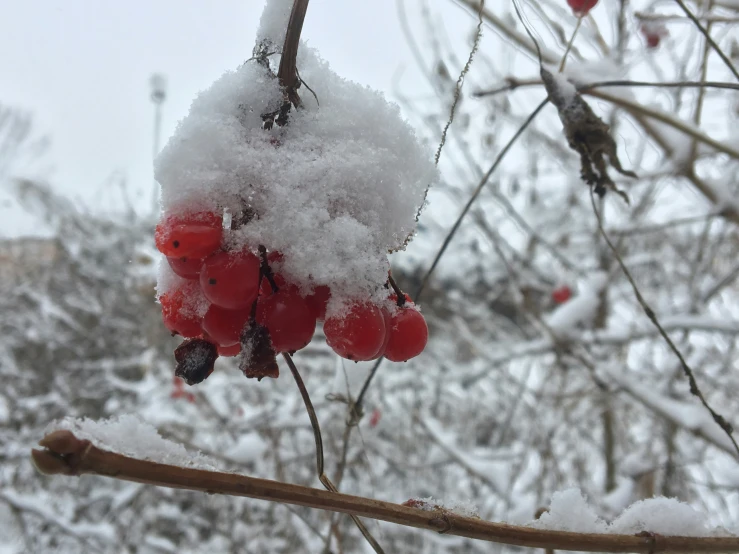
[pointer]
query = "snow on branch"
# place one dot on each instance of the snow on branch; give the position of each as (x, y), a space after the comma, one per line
(68, 454)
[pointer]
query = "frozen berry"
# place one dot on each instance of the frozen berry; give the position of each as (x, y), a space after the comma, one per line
(231, 279)
(194, 235)
(224, 326)
(318, 301)
(408, 334)
(288, 319)
(562, 294)
(178, 317)
(388, 326)
(581, 7)
(186, 267)
(358, 334)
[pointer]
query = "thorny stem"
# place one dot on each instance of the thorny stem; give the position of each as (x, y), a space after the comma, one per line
(65, 454)
(694, 389)
(319, 449)
(570, 43)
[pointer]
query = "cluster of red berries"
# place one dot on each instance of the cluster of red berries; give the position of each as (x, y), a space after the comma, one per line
(242, 290)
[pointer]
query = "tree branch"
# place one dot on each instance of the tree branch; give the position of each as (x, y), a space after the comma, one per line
(65, 454)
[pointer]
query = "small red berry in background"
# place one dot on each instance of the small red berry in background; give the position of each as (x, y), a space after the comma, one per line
(288, 319)
(231, 279)
(562, 294)
(375, 418)
(180, 392)
(193, 235)
(653, 32)
(408, 335)
(581, 7)
(358, 334)
(176, 318)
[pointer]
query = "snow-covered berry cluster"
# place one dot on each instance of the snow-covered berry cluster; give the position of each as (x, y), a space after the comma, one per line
(223, 292)
(276, 216)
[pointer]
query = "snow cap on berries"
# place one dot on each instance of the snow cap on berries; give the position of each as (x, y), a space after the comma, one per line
(334, 190)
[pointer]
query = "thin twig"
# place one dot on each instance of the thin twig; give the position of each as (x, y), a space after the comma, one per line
(65, 454)
(569, 44)
(706, 34)
(474, 196)
(694, 389)
(452, 232)
(514, 83)
(460, 81)
(319, 449)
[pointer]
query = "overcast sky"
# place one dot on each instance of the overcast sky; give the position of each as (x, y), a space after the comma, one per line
(82, 68)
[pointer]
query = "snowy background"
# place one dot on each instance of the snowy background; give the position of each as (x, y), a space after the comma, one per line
(516, 397)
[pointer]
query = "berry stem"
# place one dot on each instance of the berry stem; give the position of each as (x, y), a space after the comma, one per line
(288, 71)
(319, 448)
(399, 293)
(265, 271)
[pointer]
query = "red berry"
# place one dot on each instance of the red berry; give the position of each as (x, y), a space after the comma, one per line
(581, 7)
(653, 32)
(375, 418)
(388, 318)
(562, 294)
(177, 317)
(408, 335)
(224, 326)
(318, 301)
(357, 334)
(229, 351)
(186, 266)
(231, 279)
(288, 319)
(195, 235)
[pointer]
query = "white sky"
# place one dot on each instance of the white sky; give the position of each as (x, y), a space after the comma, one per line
(82, 68)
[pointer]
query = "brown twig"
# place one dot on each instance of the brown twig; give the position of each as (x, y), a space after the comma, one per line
(694, 389)
(319, 450)
(65, 454)
(288, 70)
(710, 40)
